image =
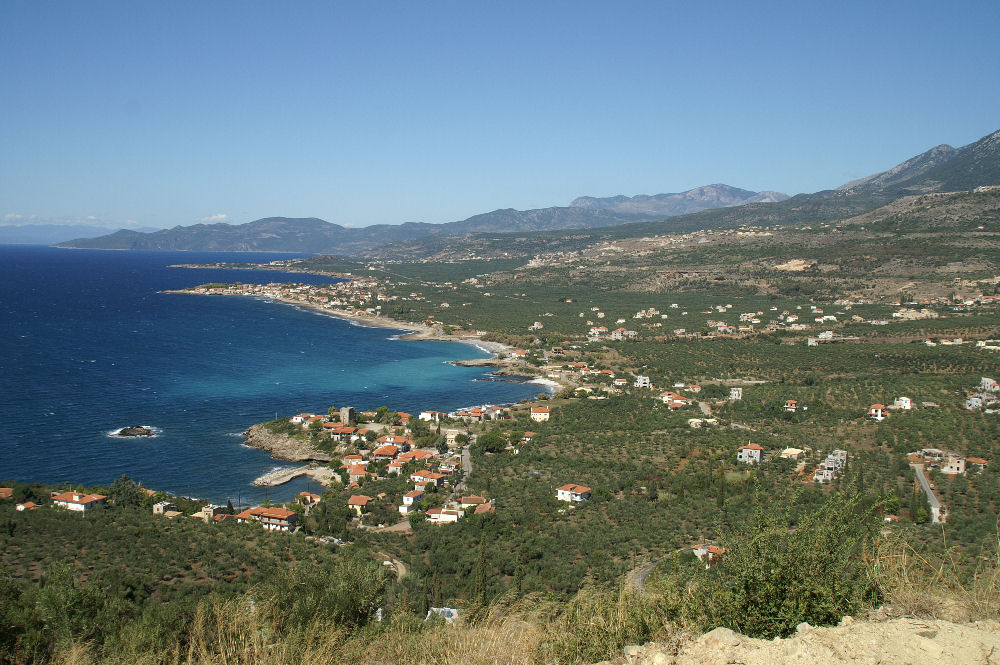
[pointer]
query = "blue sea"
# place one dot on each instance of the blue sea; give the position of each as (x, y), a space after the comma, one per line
(88, 344)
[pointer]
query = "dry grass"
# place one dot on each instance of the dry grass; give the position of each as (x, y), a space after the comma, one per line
(916, 585)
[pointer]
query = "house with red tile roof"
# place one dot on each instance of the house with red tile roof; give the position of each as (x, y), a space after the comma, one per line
(6, 492)
(573, 493)
(471, 500)
(77, 501)
(308, 498)
(708, 554)
(485, 509)
(674, 400)
(750, 454)
(878, 412)
(358, 502)
(356, 472)
(427, 477)
(386, 452)
(271, 519)
(540, 414)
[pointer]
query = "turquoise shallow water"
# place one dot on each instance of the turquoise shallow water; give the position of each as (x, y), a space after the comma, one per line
(88, 344)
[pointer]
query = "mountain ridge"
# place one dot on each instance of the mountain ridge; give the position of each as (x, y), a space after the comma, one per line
(942, 168)
(313, 235)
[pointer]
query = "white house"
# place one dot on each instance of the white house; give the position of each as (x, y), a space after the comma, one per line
(642, 382)
(953, 465)
(903, 403)
(989, 385)
(540, 414)
(78, 502)
(877, 412)
(831, 466)
(735, 393)
(572, 493)
(442, 516)
(750, 454)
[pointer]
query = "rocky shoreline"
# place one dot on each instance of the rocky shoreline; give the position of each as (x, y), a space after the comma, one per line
(282, 446)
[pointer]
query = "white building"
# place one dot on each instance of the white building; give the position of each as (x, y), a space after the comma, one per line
(573, 493)
(540, 414)
(750, 454)
(78, 502)
(903, 403)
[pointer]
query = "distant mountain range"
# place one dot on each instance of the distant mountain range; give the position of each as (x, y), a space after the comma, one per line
(312, 235)
(670, 205)
(48, 234)
(942, 168)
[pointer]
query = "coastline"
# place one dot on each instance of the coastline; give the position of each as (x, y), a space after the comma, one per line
(501, 358)
(408, 331)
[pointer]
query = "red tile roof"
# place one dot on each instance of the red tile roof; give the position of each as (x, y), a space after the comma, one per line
(77, 497)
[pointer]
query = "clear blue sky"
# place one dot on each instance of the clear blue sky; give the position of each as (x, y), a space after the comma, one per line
(166, 113)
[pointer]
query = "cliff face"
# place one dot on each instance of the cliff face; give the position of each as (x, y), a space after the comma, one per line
(282, 446)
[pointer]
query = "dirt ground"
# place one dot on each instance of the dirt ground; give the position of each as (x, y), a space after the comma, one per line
(896, 642)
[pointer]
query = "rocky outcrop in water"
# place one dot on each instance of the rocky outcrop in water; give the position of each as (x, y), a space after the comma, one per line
(135, 430)
(282, 446)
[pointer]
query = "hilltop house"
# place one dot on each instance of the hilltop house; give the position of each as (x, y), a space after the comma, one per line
(791, 405)
(878, 412)
(573, 493)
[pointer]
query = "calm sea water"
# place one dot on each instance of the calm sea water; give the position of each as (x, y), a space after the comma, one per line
(88, 345)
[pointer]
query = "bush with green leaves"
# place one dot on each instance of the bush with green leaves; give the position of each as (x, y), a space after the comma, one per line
(784, 567)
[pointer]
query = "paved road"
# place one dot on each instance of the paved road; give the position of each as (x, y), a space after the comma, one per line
(936, 511)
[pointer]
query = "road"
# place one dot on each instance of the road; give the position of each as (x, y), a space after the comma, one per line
(705, 408)
(637, 578)
(932, 499)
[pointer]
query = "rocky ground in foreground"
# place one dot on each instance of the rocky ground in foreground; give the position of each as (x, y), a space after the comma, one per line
(897, 641)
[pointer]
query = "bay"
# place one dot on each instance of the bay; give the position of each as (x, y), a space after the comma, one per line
(89, 344)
